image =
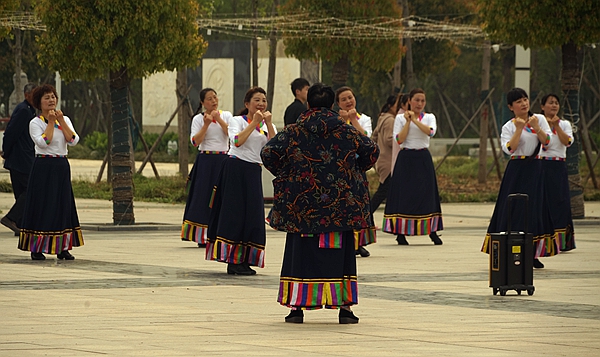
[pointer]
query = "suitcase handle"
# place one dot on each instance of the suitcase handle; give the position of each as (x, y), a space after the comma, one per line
(519, 196)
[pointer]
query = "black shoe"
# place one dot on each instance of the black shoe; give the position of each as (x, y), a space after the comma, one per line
(8, 223)
(537, 264)
(401, 239)
(435, 239)
(239, 269)
(65, 255)
(347, 317)
(201, 245)
(295, 317)
(362, 252)
(38, 256)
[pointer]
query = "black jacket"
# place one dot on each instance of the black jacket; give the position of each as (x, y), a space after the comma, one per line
(293, 111)
(17, 145)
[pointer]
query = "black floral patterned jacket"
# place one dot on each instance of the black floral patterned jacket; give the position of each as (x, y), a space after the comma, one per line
(319, 166)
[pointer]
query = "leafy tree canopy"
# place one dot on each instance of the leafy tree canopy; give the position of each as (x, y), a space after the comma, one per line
(542, 23)
(371, 54)
(7, 6)
(87, 39)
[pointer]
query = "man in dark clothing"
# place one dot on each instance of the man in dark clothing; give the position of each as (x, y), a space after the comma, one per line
(18, 153)
(300, 91)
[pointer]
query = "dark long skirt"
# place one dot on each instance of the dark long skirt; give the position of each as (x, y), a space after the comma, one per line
(313, 277)
(524, 176)
(558, 198)
(202, 180)
(50, 223)
(413, 203)
(236, 228)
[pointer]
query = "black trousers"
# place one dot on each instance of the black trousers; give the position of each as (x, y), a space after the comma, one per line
(19, 182)
(381, 194)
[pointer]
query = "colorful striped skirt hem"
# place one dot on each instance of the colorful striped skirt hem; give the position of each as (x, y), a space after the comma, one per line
(312, 294)
(546, 245)
(194, 232)
(223, 250)
(566, 239)
(50, 242)
(413, 225)
(365, 237)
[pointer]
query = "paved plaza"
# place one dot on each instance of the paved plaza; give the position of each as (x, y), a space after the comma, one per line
(147, 293)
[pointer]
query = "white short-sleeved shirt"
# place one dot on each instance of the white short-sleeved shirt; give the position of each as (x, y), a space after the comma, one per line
(250, 150)
(416, 139)
(529, 140)
(556, 148)
(215, 139)
(58, 145)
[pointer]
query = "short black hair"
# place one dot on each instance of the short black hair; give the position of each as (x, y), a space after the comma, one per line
(39, 92)
(298, 84)
(515, 94)
(320, 96)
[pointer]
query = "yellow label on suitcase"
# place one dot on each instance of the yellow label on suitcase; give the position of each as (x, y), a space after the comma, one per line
(516, 249)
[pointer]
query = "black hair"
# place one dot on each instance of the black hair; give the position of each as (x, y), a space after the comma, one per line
(202, 95)
(545, 99)
(389, 102)
(320, 96)
(298, 84)
(249, 94)
(39, 92)
(404, 99)
(414, 92)
(515, 94)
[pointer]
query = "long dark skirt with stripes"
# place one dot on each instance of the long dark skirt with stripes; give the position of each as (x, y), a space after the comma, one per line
(413, 203)
(318, 271)
(202, 180)
(558, 198)
(50, 222)
(236, 228)
(524, 176)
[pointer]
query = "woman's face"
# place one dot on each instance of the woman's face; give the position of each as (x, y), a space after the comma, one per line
(48, 101)
(417, 102)
(347, 100)
(211, 102)
(256, 103)
(551, 107)
(520, 107)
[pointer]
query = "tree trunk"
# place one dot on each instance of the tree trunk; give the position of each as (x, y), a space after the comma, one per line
(122, 173)
(255, 47)
(484, 124)
(18, 52)
(410, 73)
(183, 124)
(570, 87)
(272, 61)
(339, 75)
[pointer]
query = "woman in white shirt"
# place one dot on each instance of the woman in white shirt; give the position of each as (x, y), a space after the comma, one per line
(209, 134)
(346, 101)
(50, 223)
(236, 229)
(523, 138)
(413, 203)
(556, 180)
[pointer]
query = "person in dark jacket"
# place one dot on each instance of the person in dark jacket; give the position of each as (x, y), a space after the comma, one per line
(298, 106)
(320, 199)
(18, 153)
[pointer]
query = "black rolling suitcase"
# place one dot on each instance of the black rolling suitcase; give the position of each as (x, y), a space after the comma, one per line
(511, 256)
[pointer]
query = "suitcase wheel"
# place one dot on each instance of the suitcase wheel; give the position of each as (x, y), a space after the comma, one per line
(495, 290)
(530, 291)
(502, 292)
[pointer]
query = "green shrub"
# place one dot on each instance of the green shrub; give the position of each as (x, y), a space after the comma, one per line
(97, 141)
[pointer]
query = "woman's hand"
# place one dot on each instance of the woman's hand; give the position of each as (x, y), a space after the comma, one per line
(553, 121)
(267, 117)
(520, 123)
(257, 118)
(352, 115)
(534, 122)
(409, 115)
(207, 119)
(344, 114)
(51, 117)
